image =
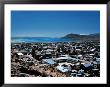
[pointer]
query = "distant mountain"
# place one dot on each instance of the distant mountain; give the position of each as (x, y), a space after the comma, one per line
(95, 36)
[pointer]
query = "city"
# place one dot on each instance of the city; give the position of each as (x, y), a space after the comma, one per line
(60, 59)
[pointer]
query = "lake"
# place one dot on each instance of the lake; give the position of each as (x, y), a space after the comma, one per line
(39, 39)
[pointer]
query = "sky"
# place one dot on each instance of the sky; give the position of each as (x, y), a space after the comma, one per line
(54, 23)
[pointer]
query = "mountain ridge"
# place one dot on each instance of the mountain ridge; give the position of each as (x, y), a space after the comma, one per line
(94, 36)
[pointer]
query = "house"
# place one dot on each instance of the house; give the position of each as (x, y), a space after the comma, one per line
(63, 68)
(48, 61)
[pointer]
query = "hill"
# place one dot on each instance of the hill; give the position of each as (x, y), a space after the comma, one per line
(95, 36)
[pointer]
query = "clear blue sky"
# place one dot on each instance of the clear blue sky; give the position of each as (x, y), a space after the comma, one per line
(54, 23)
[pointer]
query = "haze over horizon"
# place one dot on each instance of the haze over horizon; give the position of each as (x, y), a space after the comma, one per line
(54, 37)
(54, 23)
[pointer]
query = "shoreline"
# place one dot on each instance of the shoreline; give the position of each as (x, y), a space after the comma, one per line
(77, 41)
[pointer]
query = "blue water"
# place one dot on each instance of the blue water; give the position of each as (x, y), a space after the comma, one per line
(39, 39)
